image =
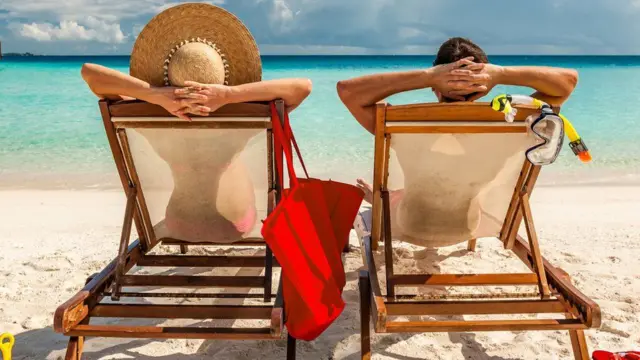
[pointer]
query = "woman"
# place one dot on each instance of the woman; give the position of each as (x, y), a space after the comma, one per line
(193, 59)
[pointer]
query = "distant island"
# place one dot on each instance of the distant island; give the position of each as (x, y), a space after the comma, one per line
(20, 54)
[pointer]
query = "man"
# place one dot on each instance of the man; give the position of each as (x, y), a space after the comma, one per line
(460, 72)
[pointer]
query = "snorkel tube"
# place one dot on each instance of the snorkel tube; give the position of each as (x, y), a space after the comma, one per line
(504, 104)
(576, 144)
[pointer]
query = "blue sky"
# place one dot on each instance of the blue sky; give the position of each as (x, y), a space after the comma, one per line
(59, 27)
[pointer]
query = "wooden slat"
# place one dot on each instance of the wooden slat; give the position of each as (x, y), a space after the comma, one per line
(191, 124)
(133, 174)
(483, 325)
(467, 296)
(203, 261)
(121, 260)
(465, 279)
(169, 241)
(121, 167)
(193, 281)
(379, 310)
(387, 157)
(182, 311)
(528, 185)
(514, 205)
(378, 174)
(182, 295)
(388, 244)
(475, 307)
(525, 207)
(158, 332)
(467, 129)
(370, 264)
(364, 288)
(136, 108)
(461, 111)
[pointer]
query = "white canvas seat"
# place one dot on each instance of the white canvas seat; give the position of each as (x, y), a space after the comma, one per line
(203, 185)
(457, 187)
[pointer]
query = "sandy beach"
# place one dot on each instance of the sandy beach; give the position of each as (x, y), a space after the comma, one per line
(52, 240)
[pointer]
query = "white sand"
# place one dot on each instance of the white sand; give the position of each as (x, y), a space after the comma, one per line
(51, 240)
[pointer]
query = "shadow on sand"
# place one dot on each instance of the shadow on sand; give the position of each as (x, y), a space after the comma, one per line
(45, 343)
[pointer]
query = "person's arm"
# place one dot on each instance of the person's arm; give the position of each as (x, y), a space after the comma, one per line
(291, 91)
(361, 94)
(552, 85)
(112, 84)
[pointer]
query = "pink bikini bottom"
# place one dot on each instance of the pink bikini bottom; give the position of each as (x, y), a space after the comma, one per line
(197, 229)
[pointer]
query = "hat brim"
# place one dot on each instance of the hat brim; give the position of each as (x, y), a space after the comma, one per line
(195, 20)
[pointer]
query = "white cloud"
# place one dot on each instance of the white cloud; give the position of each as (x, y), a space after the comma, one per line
(136, 29)
(165, 6)
(343, 26)
(111, 11)
(281, 16)
(92, 29)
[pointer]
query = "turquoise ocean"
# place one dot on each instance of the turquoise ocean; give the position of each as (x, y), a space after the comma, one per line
(51, 134)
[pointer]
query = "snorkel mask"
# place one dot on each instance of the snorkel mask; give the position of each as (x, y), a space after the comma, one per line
(548, 127)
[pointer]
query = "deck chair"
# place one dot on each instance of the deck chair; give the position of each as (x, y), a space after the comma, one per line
(470, 180)
(157, 156)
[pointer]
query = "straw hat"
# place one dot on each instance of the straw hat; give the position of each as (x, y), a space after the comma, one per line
(197, 42)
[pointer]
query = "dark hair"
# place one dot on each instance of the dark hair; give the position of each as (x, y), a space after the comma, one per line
(458, 48)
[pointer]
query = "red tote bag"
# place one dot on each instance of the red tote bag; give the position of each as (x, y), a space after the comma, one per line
(307, 234)
(342, 200)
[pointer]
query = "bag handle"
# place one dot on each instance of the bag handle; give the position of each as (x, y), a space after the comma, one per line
(292, 139)
(282, 144)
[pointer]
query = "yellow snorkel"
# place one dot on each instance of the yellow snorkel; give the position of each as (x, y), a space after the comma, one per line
(504, 104)
(576, 144)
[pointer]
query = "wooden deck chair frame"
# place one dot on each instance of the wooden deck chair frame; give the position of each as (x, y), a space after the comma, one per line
(73, 317)
(556, 293)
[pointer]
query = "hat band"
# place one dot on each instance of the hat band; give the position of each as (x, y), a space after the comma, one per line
(167, 61)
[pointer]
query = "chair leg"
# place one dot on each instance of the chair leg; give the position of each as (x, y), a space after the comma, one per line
(291, 348)
(268, 274)
(538, 265)
(184, 249)
(124, 244)
(365, 315)
(578, 343)
(74, 348)
(472, 245)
